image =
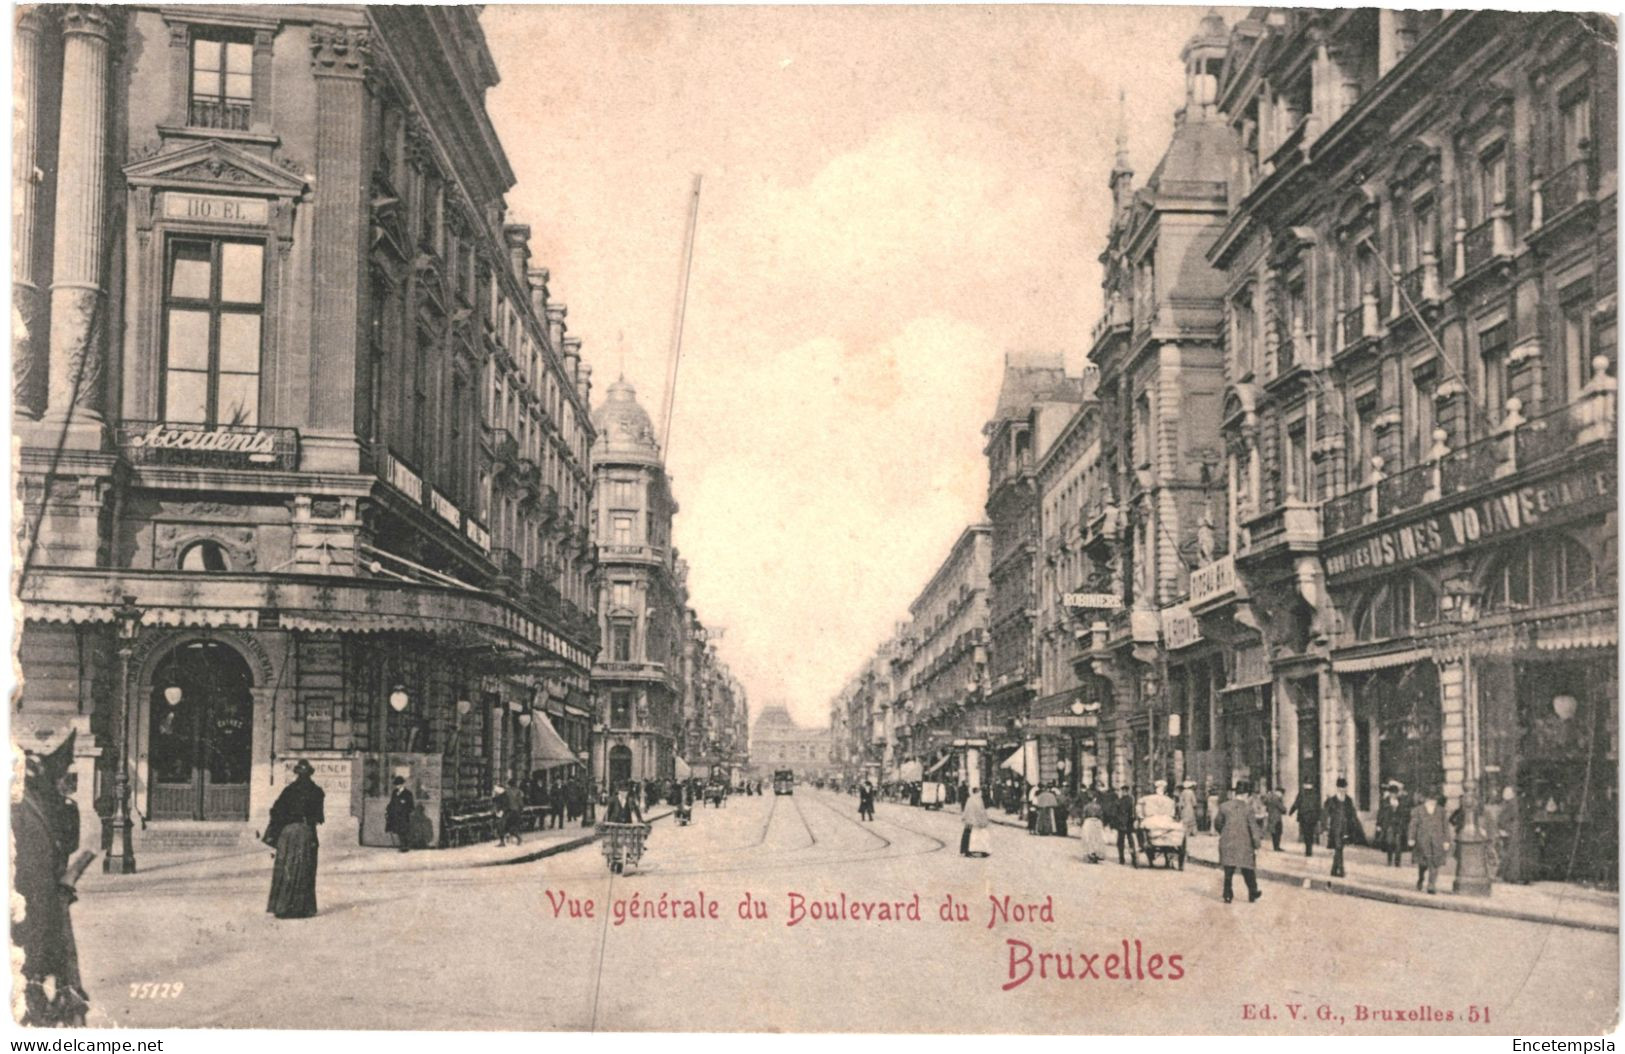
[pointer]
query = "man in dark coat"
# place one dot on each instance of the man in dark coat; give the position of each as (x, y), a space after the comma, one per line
(1342, 825)
(1430, 841)
(45, 838)
(866, 800)
(398, 814)
(1307, 809)
(1120, 816)
(1239, 837)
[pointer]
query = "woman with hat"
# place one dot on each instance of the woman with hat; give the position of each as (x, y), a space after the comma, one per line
(1393, 821)
(1187, 806)
(292, 832)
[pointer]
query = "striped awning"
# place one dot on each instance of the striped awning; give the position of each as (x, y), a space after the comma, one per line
(1384, 661)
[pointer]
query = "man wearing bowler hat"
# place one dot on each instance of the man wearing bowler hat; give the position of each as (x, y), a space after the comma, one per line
(1342, 825)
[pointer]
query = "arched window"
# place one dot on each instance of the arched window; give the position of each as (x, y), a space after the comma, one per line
(204, 556)
(1397, 608)
(1557, 570)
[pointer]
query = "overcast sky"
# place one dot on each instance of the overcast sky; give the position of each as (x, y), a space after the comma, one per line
(893, 198)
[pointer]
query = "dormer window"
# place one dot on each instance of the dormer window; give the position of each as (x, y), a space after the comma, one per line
(222, 82)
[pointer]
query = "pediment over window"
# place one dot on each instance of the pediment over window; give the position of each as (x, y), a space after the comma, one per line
(1418, 163)
(216, 167)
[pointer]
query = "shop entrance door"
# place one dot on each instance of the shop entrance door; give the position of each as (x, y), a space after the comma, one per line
(201, 734)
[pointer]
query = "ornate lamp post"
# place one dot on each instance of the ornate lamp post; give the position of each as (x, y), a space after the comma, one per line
(120, 859)
(1472, 842)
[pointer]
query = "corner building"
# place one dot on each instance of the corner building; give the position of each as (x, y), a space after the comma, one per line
(638, 678)
(292, 401)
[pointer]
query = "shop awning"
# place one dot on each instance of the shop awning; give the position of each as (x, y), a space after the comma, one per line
(1024, 762)
(547, 750)
(682, 769)
(939, 764)
(1388, 660)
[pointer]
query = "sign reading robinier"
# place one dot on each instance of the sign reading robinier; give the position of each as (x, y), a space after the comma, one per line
(1093, 601)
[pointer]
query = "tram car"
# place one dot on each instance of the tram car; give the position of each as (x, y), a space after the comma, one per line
(784, 782)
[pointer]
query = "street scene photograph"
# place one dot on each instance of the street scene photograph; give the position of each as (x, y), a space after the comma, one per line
(961, 520)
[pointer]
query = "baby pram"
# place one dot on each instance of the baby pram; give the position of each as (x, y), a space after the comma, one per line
(1161, 836)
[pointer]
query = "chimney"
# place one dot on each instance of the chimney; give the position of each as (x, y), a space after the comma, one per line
(572, 359)
(538, 292)
(584, 383)
(555, 326)
(517, 237)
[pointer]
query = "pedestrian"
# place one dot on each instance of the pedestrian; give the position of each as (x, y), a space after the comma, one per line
(866, 800)
(292, 831)
(1046, 803)
(1186, 809)
(973, 814)
(1239, 837)
(1274, 809)
(1393, 823)
(557, 802)
(623, 807)
(1509, 832)
(1342, 825)
(1032, 809)
(1212, 799)
(1307, 809)
(398, 814)
(1430, 841)
(45, 871)
(510, 814)
(1122, 821)
(1093, 830)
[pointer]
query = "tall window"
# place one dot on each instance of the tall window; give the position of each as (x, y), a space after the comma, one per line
(621, 528)
(1419, 419)
(1365, 442)
(1492, 358)
(1297, 462)
(1575, 320)
(1492, 182)
(1574, 125)
(1244, 331)
(621, 595)
(620, 635)
(620, 709)
(222, 81)
(212, 309)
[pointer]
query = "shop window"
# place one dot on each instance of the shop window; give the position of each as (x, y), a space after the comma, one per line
(222, 80)
(1557, 570)
(204, 556)
(212, 312)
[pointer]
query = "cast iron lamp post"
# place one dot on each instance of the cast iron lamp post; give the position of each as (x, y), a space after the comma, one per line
(120, 859)
(1472, 843)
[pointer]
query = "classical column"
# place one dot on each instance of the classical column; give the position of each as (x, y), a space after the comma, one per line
(27, 310)
(78, 323)
(340, 57)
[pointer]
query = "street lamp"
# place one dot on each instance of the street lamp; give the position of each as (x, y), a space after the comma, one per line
(120, 859)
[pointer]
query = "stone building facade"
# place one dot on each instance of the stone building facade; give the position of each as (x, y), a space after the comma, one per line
(288, 390)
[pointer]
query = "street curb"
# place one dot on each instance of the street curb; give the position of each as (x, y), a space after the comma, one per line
(562, 847)
(1330, 885)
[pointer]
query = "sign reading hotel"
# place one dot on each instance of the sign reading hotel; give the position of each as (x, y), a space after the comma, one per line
(213, 208)
(1092, 601)
(1434, 535)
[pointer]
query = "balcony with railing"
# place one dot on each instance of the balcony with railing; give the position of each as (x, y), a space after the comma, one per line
(504, 447)
(1291, 526)
(231, 115)
(1564, 189)
(1519, 445)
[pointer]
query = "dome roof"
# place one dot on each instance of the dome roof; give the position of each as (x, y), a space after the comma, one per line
(623, 425)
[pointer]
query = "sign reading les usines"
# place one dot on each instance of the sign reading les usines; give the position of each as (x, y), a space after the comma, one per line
(1516, 509)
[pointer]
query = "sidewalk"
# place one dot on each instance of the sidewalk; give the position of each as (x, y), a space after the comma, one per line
(344, 858)
(1370, 877)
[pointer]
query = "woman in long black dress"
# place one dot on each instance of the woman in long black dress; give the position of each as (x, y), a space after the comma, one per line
(293, 832)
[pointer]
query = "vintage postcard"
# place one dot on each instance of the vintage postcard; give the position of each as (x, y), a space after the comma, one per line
(1034, 520)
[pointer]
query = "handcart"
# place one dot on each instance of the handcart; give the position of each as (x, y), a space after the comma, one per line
(1161, 836)
(622, 844)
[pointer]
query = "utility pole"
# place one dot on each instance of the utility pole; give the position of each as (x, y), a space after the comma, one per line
(677, 324)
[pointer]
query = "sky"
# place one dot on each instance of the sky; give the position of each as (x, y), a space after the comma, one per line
(893, 198)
